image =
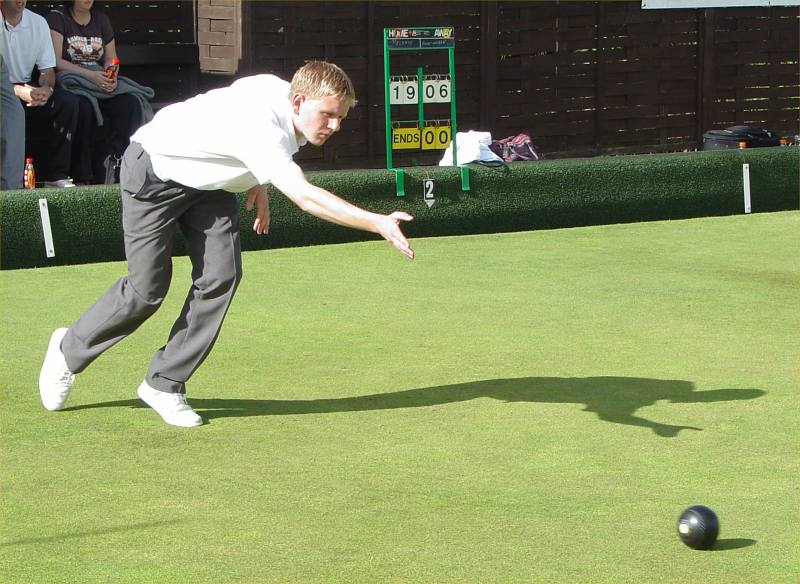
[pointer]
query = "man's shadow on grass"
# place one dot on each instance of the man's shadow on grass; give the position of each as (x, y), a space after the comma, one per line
(100, 533)
(613, 399)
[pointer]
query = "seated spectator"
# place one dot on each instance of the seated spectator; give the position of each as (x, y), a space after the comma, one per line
(27, 45)
(12, 128)
(112, 107)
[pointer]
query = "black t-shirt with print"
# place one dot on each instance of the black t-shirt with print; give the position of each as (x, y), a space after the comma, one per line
(82, 44)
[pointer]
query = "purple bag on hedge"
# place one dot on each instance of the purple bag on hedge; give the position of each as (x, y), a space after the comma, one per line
(518, 147)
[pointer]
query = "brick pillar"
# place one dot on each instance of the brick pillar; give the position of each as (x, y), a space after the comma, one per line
(219, 35)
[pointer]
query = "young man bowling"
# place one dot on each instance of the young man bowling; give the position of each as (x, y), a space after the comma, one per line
(181, 170)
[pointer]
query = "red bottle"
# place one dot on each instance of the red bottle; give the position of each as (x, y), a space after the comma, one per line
(112, 69)
(29, 175)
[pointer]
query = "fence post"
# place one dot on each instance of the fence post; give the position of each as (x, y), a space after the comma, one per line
(705, 70)
(248, 38)
(599, 72)
(372, 63)
(489, 33)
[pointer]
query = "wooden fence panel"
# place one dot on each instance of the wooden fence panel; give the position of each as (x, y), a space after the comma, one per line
(154, 22)
(151, 40)
(582, 77)
(285, 35)
(755, 80)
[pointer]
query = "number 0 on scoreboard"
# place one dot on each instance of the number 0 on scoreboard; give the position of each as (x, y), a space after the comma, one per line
(435, 137)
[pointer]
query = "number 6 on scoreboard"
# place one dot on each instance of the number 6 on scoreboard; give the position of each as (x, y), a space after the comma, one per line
(443, 93)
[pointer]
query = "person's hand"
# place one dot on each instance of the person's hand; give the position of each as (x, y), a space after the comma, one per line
(33, 96)
(258, 196)
(103, 82)
(389, 229)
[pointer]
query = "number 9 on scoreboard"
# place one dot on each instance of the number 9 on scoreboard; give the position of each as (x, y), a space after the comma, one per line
(403, 91)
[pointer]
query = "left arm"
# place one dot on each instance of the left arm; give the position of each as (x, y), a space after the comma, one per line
(259, 197)
(110, 53)
(47, 79)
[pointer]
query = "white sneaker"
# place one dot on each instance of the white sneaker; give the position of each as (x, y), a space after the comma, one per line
(55, 378)
(64, 183)
(172, 407)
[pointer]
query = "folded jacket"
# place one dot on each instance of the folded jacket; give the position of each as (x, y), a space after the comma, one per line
(80, 85)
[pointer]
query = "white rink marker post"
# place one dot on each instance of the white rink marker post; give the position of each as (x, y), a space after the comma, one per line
(746, 183)
(46, 231)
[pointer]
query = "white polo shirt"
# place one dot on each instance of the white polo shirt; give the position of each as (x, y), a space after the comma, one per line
(27, 44)
(229, 139)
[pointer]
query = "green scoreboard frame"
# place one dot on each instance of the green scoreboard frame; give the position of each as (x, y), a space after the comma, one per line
(423, 38)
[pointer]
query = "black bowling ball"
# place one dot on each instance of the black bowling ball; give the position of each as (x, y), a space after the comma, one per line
(698, 527)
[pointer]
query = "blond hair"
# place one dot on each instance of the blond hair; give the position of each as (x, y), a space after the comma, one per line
(318, 79)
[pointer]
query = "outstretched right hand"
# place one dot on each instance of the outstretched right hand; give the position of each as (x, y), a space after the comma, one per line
(389, 229)
(325, 205)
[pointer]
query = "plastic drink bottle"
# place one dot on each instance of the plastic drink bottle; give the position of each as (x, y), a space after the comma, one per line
(29, 175)
(111, 70)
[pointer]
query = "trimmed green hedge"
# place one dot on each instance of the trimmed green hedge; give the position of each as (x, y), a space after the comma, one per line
(86, 221)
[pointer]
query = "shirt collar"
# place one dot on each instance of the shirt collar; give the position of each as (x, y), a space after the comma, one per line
(25, 22)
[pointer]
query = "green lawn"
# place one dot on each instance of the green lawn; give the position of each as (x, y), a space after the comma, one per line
(527, 407)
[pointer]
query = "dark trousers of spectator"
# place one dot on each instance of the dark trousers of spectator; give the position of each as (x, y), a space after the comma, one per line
(60, 115)
(12, 133)
(122, 116)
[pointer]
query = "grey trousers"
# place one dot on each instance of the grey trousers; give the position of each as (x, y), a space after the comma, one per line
(12, 133)
(152, 210)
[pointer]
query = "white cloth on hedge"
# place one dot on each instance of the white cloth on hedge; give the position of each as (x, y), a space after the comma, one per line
(472, 146)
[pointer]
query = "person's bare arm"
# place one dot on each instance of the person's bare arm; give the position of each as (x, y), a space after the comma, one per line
(327, 206)
(259, 197)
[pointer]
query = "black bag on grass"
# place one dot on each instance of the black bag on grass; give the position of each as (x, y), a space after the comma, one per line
(730, 138)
